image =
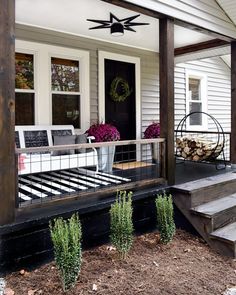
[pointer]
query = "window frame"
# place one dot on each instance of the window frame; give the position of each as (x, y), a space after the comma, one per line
(203, 99)
(42, 79)
(77, 93)
(34, 91)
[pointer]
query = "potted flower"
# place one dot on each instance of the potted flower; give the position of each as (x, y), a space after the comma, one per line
(103, 132)
(153, 131)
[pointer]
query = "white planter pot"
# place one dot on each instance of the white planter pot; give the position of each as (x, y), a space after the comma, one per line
(155, 153)
(106, 158)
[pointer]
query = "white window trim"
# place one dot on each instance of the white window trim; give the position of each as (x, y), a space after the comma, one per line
(203, 94)
(42, 73)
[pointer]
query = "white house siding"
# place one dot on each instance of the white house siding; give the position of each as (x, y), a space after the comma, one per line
(217, 72)
(204, 13)
(149, 67)
(218, 89)
(180, 96)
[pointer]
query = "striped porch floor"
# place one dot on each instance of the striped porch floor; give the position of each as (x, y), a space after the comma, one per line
(55, 183)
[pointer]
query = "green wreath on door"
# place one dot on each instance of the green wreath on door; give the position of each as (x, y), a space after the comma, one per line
(119, 90)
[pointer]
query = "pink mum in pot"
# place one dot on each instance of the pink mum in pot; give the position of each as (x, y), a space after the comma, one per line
(152, 131)
(103, 132)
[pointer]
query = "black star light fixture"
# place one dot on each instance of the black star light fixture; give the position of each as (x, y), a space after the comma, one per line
(116, 25)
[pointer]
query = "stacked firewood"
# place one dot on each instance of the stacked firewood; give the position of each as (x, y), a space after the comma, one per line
(197, 148)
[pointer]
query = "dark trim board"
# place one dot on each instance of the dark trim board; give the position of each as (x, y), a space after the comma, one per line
(7, 111)
(233, 104)
(166, 74)
(201, 46)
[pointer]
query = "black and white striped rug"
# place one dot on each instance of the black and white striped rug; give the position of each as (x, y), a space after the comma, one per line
(55, 183)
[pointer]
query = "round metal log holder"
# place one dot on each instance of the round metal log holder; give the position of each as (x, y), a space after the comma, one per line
(216, 137)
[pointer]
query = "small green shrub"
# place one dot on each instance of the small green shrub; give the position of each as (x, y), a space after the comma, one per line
(66, 237)
(121, 223)
(165, 217)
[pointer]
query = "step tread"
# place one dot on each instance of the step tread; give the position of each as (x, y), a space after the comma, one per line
(227, 232)
(215, 207)
(205, 182)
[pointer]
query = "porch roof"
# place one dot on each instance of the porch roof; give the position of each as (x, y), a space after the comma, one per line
(71, 17)
(215, 15)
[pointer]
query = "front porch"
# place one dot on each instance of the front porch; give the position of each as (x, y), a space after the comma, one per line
(137, 165)
(30, 229)
(30, 200)
(42, 196)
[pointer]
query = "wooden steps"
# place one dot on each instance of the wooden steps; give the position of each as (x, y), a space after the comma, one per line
(219, 212)
(210, 205)
(226, 233)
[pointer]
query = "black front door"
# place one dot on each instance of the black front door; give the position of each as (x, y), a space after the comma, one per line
(121, 113)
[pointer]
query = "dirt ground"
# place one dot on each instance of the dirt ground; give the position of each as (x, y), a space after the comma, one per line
(185, 266)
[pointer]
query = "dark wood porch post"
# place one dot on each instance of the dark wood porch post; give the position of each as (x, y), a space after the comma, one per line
(7, 111)
(233, 104)
(166, 73)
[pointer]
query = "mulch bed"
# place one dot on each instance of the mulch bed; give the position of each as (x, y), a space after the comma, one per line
(185, 266)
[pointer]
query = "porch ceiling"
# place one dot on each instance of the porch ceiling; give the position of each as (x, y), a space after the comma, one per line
(229, 7)
(71, 17)
(227, 59)
(219, 51)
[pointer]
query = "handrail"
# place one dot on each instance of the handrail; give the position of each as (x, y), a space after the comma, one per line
(87, 145)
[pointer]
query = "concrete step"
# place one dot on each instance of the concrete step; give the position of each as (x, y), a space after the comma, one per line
(205, 190)
(217, 213)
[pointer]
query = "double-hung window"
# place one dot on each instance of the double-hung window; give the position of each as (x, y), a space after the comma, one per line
(62, 93)
(65, 89)
(24, 88)
(196, 100)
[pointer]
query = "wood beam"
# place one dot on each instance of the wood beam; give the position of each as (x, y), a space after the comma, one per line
(7, 111)
(201, 46)
(158, 15)
(136, 8)
(233, 105)
(166, 74)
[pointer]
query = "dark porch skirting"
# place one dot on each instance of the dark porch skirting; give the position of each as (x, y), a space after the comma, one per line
(27, 243)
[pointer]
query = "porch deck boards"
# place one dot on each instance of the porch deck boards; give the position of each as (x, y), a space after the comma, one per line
(190, 171)
(40, 187)
(50, 184)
